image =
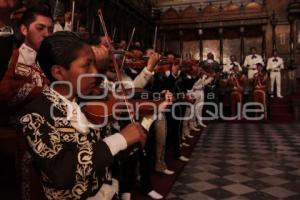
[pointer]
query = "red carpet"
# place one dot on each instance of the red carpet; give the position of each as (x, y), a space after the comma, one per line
(281, 110)
(163, 183)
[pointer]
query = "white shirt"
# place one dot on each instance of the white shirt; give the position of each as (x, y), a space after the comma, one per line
(275, 63)
(68, 26)
(252, 60)
(27, 55)
(57, 27)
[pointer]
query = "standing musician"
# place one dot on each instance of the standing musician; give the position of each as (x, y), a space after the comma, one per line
(229, 66)
(59, 22)
(182, 84)
(213, 67)
(236, 81)
(71, 156)
(24, 78)
(197, 93)
(260, 81)
(274, 66)
(127, 172)
(68, 21)
(251, 61)
(210, 64)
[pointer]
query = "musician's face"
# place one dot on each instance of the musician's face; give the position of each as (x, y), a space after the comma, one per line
(111, 75)
(84, 64)
(37, 31)
(104, 41)
(137, 53)
(275, 53)
(232, 58)
(170, 58)
(253, 51)
(210, 56)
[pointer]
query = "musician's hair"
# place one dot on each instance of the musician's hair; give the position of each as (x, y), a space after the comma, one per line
(133, 47)
(61, 48)
(31, 13)
(172, 53)
(94, 39)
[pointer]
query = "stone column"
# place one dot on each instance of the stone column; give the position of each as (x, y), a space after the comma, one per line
(274, 22)
(292, 40)
(242, 50)
(180, 41)
(200, 34)
(221, 45)
(263, 45)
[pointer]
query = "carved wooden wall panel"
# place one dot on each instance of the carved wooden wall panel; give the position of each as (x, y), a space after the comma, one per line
(231, 47)
(212, 46)
(253, 42)
(283, 38)
(173, 46)
(191, 47)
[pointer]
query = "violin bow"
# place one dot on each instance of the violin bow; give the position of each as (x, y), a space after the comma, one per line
(77, 26)
(115, 64)
(127, 48)
(114, 34)
(55, 9)
(155, 39)
(73, 13)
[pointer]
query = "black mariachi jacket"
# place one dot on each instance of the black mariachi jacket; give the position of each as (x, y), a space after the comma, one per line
(72, 164)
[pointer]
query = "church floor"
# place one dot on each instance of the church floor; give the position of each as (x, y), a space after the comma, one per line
(243, 161)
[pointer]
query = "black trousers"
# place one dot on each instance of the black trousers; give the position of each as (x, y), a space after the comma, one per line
(128, 168)
(174, 131)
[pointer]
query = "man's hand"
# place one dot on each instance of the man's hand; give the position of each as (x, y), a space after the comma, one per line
(152, 62)
(134, 133)
(101, 56)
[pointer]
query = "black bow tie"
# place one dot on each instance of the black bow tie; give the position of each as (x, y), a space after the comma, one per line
(275, 60)
(253, 57)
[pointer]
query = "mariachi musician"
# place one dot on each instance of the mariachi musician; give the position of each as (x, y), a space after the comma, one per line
(24, 78)
(275, 65)
(229, 66)
(213, 67)
(126, 167)
(210, 64)
(197, 92)
(260, 81)
(236, 81)
(251, 61)
(170, 78)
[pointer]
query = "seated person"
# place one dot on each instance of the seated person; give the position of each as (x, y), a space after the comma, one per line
(260, 87)
(71, 155)
(236, 81)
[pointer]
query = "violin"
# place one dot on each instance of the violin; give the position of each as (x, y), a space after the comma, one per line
(141, 103)
(139, 64)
